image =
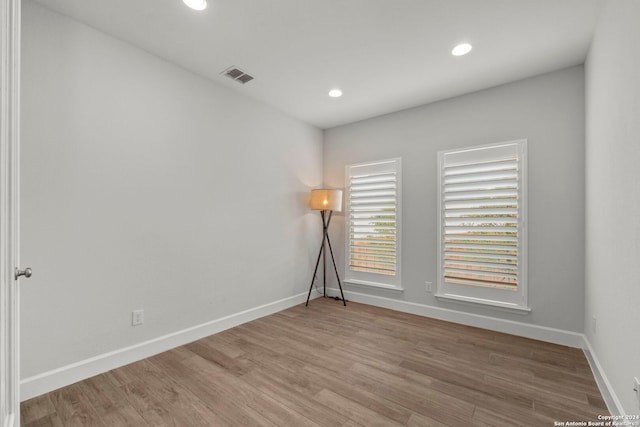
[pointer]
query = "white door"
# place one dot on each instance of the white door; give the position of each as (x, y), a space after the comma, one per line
(9, 227)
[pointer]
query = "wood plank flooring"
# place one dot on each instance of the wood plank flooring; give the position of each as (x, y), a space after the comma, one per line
(329, 365)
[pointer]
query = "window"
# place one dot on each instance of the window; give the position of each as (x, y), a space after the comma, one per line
(482, 218)
(373, 224)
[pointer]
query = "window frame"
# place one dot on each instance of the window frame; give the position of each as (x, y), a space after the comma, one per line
(488, 296)
(371, 279)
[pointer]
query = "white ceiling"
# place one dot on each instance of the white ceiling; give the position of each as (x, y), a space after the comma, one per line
(386, 55)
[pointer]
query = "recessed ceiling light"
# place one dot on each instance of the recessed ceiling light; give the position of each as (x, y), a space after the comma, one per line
(461, 49)
(196, 4)
(335, 93)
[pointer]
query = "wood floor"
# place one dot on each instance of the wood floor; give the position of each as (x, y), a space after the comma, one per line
(329, 365)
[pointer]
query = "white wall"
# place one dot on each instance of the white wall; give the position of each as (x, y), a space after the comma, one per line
(147, 187)
(549, 111)
(613, 197)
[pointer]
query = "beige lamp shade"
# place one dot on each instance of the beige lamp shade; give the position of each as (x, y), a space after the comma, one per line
(326, 199)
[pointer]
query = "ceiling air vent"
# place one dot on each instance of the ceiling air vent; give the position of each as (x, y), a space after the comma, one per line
(237, 75)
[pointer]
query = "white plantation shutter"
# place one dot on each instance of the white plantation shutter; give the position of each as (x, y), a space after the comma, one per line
(482, 235)
(373, 209)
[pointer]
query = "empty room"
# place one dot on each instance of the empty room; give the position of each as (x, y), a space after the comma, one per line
(320, 213)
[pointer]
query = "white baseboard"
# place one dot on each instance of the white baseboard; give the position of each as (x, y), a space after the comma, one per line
(542, 333)
(608, 394)
(66, 375)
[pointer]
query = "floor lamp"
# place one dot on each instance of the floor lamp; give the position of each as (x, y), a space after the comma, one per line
(326, 201)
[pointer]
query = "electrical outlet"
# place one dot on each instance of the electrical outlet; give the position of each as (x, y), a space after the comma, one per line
(636, 388)
(137, 317)
(594, 324)
(428, 286)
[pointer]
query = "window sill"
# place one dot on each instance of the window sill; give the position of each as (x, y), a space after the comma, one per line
(477, 302)
(373, 285)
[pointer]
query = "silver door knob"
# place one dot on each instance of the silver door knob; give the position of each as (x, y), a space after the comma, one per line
(26, 273)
